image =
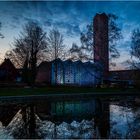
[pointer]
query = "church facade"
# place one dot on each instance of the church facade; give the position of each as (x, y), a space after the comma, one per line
(75, 73)
(70, 73)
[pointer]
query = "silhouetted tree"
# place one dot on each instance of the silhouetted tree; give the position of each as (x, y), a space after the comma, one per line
(55, 44)
(56, 47)
(81, 53)
(85, 51)
(135, 48)
(1, 35)
(19, 53)
(29, 49)
(25, 71)
(135, 54)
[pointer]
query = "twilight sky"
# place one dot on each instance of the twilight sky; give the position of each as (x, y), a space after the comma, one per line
(69, 17)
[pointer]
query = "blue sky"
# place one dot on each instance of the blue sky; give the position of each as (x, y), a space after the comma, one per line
(69, 17)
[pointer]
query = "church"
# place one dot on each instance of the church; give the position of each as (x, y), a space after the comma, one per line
(78, 73)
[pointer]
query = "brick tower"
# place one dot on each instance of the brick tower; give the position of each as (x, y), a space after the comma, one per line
(101, 42)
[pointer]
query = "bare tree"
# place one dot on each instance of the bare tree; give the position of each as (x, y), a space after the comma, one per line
(55, 45)
(85, 51)
(1, 35)
(19, 53)
(135, 48)
(80, 53)
(135, 55)
(114, 36)
(55, 48)
(29, 48)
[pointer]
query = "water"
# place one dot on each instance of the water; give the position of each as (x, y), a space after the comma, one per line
(124, 122)
(87, 119)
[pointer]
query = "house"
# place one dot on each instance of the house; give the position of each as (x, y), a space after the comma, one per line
(44, 73)
(8, 72)
(131, 77)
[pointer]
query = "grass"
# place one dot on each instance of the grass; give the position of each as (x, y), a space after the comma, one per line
(59, 90)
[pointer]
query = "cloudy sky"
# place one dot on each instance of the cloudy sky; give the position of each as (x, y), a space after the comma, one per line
(69, 17)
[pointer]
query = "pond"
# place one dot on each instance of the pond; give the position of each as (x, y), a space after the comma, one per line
(108, 117)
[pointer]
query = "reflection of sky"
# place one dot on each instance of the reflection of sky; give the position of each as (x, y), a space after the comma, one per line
(122, 118)
(69, 17)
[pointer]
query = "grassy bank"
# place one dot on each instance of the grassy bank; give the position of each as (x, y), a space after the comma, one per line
(60, 90)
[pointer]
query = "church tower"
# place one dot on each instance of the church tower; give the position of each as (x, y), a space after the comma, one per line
(101, 42)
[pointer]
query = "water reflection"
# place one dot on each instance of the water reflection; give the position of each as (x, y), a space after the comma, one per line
(124, 121)
(86, 119)
(83, 129)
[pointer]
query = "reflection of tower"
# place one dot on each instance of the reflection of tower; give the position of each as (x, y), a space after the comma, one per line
(102, 118)
(101, 54)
